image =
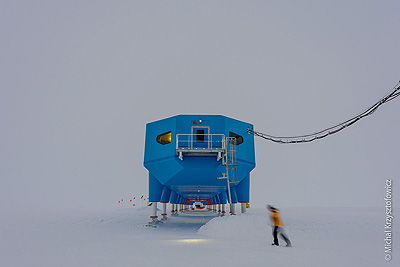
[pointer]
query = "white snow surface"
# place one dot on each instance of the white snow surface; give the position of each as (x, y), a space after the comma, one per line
(117, 237)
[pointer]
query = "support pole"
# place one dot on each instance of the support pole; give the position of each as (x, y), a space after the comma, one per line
(154, 216)
(232, 209)
(223, 209)
(164, 212)
(173, 206)
(243, 204)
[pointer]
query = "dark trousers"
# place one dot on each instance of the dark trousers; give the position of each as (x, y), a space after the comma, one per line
(278, 230)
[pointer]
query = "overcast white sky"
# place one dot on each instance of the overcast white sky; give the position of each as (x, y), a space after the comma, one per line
(80, 79)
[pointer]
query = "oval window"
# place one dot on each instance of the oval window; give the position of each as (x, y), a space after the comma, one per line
(239, 138)
(164, 138)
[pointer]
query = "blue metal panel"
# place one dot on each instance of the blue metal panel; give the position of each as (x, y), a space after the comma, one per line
(155, 189)
(243, 190)
(223, 197)
(173, 198)
(245, 151)
(165, 195)
(165, 168)
(217, 199)
(153, 150)
(234, 195)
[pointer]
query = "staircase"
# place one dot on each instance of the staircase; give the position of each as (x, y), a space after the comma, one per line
(230, 160)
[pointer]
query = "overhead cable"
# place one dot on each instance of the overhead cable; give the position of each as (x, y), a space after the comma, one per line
(395, 92)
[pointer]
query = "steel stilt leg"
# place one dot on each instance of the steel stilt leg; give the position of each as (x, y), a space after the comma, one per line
(232, 209)
(243, 207)
(164, 212)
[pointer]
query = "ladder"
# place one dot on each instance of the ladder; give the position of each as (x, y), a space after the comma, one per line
(229, 160)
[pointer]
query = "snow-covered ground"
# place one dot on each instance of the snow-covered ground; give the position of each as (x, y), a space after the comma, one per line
(116, 237)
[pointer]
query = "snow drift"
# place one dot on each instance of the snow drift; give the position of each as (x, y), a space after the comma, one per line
(116, 237)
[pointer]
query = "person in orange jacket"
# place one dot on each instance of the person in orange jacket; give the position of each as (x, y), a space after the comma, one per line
(277, 226)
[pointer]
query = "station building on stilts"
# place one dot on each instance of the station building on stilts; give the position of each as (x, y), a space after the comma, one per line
(198, 162)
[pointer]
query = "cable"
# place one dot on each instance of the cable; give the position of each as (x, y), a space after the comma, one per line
(395, 92)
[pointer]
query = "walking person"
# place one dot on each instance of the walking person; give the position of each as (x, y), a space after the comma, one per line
(277, 226)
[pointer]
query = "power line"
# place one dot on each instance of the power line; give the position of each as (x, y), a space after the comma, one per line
(395, 92)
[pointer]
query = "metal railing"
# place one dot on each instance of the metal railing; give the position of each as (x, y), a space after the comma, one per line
(230, 162)
(230, 159)
(200, 142)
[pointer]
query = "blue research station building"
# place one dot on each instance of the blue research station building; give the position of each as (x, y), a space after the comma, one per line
(200, 161)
